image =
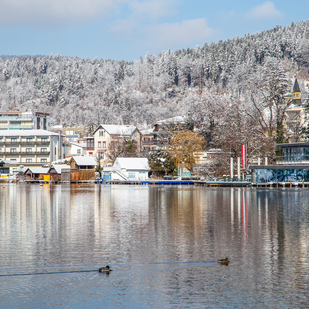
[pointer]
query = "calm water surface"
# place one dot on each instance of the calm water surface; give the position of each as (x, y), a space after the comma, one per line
(162, 243)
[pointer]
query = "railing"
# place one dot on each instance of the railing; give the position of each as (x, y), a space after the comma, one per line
(8, 152)
(18, 127)
(148, 142)
(10, 143)
(18, 117)
(35, 152)
(293, 159)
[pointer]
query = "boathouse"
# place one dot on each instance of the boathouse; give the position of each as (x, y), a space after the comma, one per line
(55, 171)
(37, 173)
(82, 168)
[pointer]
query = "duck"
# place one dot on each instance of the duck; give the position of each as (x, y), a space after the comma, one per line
(224, 261)
(105, 269)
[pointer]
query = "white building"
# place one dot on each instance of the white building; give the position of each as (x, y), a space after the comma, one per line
(105, 134)
(75, 149)
(128, 169)
(24, 121)
(30, 147)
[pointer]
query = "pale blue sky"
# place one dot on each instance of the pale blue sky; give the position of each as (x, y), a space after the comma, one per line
(127, 29)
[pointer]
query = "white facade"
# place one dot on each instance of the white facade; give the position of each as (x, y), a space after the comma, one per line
(105, 134)
(75, 149)
(129, 169)
(30, 147)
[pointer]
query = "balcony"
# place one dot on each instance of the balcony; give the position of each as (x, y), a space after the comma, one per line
(33, 142)
(293, 159)
(18, 117)
(8, 152)
(20, 127)
(9, 143)
(148, 142)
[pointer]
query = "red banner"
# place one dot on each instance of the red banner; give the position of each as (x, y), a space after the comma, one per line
(243, 156)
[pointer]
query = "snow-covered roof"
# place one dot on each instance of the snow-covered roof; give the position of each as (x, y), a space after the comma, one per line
(9, 162)
(118, 129)
(82, 145)
(84, 160)
(176, 119)
(39, 170)
(27, 133)
(59, 167)
(147, 131)
(132, 163)
(61, 161)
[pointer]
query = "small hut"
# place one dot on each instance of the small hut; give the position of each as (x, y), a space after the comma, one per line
(55, 171)
(82, 168)
(37, 173)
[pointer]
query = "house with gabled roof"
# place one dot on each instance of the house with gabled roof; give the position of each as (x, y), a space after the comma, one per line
(127, 169)
(37, 173)
(82, 168)
(105, 134)
(55, 171)
(82, 162)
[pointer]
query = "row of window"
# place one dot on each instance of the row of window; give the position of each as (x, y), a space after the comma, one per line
(27, 150)
(101, 144)
(28, 139)
(30, 160)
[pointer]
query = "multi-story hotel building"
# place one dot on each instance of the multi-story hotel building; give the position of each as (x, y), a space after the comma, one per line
(30, 147)
(24, 121)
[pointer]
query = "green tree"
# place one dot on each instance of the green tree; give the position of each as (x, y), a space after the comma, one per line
(160, 163)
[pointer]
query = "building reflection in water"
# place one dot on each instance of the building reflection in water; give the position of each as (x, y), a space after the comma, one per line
(267, 230)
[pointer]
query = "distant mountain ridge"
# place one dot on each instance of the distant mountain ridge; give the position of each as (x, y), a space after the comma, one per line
(6, 57)
(87, 92)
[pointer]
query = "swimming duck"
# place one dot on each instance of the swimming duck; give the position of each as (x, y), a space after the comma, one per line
(106, 269)
(224, 261)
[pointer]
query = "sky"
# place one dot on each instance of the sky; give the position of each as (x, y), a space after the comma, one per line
(128, 29)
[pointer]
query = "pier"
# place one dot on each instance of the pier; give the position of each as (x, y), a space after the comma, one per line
(300, 184)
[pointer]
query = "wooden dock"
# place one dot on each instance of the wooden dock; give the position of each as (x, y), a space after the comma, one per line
(179, 182)
(212, 184)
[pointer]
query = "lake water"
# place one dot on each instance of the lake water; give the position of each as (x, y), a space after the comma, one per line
(162, 242)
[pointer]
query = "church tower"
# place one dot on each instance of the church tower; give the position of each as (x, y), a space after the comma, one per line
(296, 93)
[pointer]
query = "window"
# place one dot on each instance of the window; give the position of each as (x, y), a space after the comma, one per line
(131, 175)
(28, 160)
(79, 151)
(90, 143)
(99, 144)
(43, 149)
(29, 139)
(13, 150)
(101, 133)
(44, 139)
(13, 139)
(101, 155)
(90, 154)
(43, 160)
(28, 149)
(104, 144)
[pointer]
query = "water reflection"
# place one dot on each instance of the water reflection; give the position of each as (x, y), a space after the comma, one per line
(163, 239)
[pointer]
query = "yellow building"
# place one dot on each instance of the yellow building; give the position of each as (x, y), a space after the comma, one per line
(296, 114)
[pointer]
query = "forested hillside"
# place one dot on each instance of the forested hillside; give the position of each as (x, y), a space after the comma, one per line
(206, 82)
